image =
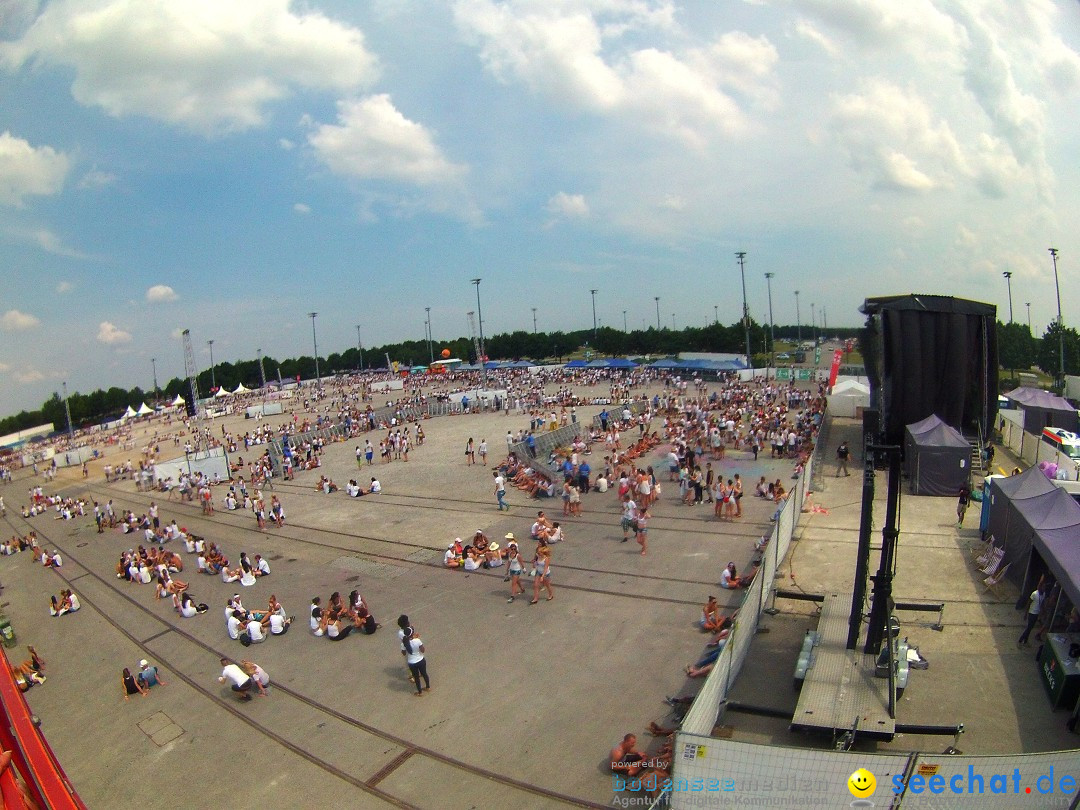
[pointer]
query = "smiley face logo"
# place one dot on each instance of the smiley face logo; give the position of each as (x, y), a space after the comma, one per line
(862, 784)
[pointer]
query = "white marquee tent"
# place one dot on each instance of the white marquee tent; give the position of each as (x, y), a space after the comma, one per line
(847, 397)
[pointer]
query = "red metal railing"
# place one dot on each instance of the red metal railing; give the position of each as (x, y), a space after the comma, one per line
(44, 783)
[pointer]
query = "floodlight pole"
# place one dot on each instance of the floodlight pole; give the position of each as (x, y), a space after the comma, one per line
(480, 321)
(741, 256)
(360, 347)
(624, 328)
(1061, 322)
(1008, 281)
(798, 319)
(1028, 305)
(67, 412)
(315, 343)
(534, 320)
(427, 327)
(153, 361)
(213, 381)
(716, 313)
(593, 292)
(657, 299)
(772, 324)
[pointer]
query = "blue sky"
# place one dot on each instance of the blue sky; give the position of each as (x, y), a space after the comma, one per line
(230, 167)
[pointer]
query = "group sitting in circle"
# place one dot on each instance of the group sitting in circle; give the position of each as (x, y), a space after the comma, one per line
(339, 619)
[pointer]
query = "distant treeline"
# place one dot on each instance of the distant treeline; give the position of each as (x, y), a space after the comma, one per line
(102, 405)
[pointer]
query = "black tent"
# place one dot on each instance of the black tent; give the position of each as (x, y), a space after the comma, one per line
(936, 457)
(1043, 409)
(1027, 511)
(931, 354)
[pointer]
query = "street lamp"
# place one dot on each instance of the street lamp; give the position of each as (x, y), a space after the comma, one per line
(741, 256)
(772, 324)
(315, 343)
(593, 314)
(798, 320)
(427, 326)
(534, 320)
(1061, 322)
(1008, 280)
(480, 321)
(657, 299)
(360, 347)
(213, 382)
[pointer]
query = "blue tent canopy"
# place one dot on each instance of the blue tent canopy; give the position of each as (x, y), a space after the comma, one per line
(621, 362)
(576, 364)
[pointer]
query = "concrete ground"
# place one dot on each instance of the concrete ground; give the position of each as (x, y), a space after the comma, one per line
(977, 676)
(526, 701)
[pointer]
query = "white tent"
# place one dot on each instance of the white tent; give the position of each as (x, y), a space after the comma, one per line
(847, 397)
(129, 413)
(241, 390)
(144, 410)
(221, 393)
(178, 402)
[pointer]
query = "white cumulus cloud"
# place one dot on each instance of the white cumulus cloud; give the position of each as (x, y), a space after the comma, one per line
(28, 376)
(27, 170)
(204, 65)
(161, 293)
(301, 208)
(568, 206)
(15, 321)
(64, 287)
(111, 335)
(373, 140)
(588, 56)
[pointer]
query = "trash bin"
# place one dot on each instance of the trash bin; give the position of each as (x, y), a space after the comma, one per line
(7, 634)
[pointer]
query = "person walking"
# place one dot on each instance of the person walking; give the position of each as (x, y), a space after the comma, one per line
(962, 505)
(413, 649)
(1035, 603)
(500, 490)
(842, 456)
(470, 453)
(514, 568)
(542, 573)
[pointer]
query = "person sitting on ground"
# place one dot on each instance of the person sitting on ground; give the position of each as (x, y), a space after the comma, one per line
(729, 579)
(316, 624)
(710, 616)
(262, 567)
(131, 686)
(473, 560)
(453, 556)
(187, 607)
(148, 675)
(375, 487)
(625, 758)
(761, 489)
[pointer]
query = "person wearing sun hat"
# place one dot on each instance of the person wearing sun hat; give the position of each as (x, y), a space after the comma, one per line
(492, 556)
(452, 557)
